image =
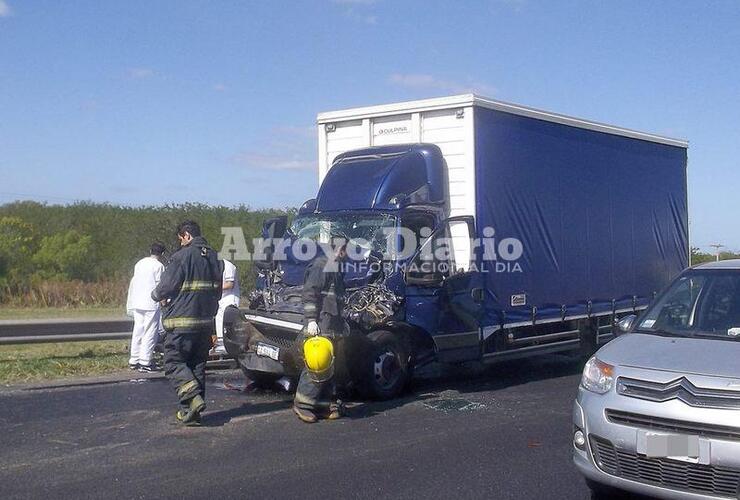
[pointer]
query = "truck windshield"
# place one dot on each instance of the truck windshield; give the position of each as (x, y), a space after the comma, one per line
(698, 304)
(365, 230)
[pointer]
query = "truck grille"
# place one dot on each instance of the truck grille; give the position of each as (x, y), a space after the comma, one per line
(671, 425)
(279, 340)
(673, 474)
(680, 389)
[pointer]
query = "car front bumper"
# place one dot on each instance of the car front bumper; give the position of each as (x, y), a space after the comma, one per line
(642, 475)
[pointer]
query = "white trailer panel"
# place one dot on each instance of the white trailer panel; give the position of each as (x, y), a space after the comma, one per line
(451, 129)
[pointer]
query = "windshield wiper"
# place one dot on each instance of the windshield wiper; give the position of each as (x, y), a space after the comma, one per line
(665, 333)
(720, 336)
(687, 334)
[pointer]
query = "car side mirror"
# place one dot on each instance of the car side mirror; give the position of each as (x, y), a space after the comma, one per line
(626, 324)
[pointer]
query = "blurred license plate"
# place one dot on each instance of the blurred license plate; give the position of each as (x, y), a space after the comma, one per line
(675, 446)
(268, 351)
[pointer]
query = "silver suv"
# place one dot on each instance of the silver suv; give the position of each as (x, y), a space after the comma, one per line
(658, 409)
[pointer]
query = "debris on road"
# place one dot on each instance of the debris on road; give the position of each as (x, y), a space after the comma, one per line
(455, 404)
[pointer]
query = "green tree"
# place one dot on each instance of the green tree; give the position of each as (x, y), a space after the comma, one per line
(65, 255)
(699, 257)
(17, 244)
(119, 236)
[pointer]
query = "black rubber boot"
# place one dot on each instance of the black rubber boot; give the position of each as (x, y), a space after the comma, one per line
(336, 411)
(197, 404)
(306, 416)
(188, 418)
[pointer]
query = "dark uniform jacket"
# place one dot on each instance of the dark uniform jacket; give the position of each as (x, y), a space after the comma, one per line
(192, 281)
(323, 297)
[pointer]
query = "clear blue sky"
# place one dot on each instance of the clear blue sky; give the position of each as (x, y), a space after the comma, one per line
(147, 102)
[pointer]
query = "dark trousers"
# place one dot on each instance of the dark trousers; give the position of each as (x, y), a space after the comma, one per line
(185, 357)
(315, 396)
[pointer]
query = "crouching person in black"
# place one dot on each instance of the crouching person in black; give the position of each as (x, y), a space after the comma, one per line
(323, 299)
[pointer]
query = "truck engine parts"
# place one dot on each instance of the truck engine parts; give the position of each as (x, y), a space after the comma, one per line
(371, 305)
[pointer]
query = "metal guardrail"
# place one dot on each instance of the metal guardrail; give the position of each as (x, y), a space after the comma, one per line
(76, 330)
(63, 330)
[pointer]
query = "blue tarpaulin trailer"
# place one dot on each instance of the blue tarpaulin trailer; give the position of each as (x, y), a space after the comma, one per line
(602, 217)
(559, 227)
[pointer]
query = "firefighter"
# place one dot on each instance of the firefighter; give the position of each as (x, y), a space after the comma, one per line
(189, 290)
(323, 298)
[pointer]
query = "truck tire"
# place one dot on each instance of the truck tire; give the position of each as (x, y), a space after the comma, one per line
(386, 369)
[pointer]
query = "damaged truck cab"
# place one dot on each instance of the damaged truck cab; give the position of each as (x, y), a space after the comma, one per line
(394, 310)
(551, 229)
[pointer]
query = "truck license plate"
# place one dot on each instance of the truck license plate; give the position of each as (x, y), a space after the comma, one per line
(268, 351)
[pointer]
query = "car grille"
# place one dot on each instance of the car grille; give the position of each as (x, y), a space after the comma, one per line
(680, 389)
(663, 472)
(671, 425)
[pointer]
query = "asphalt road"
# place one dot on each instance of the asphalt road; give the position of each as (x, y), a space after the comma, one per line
(498, 432)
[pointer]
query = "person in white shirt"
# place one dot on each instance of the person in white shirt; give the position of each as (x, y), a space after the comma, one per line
(229, 297)
(145, 311)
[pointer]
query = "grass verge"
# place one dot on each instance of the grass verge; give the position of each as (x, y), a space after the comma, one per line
(34, 362)
(60, 312)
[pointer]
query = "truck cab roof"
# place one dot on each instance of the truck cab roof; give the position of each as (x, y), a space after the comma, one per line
(385, 178)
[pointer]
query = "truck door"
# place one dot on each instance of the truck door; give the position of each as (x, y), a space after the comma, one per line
(443, 272)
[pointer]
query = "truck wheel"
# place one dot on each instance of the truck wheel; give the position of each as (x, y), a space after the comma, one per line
(386, 370)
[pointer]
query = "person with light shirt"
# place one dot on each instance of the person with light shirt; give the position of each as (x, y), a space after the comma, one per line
(229, 297)
(144, 310)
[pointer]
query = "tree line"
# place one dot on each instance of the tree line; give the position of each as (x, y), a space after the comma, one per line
(84, 253)
(699, 257)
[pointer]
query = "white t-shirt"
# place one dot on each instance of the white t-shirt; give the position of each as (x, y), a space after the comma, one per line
(231, 296)
(147, 273)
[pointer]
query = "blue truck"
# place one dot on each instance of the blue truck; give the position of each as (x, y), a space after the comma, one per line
(558, 226)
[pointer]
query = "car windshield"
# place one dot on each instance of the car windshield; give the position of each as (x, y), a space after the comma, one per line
(699, 303)
(365, 230)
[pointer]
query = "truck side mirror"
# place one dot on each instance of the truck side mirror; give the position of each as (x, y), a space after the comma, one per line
(308, 207)
(271, 229)
(275, 227)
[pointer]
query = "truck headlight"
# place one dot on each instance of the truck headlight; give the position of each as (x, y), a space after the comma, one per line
(598, 376)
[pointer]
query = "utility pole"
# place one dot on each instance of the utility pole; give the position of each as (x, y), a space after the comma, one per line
(717, 247)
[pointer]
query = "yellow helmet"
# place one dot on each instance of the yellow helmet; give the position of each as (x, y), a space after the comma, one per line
(318, 354)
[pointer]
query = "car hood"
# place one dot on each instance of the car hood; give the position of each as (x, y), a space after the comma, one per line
(714, 358)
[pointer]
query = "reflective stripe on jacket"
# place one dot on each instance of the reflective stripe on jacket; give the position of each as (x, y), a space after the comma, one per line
(192, 283)
(199, 286)
(188, 323)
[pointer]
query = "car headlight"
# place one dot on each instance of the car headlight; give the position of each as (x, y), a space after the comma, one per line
(598, 376)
